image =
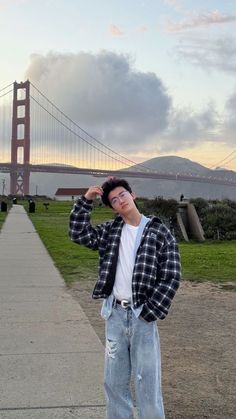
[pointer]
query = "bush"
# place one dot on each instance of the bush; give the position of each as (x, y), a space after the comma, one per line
(159, 206)
(218, 218)
(219, 221)
(229, 203)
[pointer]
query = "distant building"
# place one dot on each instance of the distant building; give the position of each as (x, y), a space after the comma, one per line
(64, 194)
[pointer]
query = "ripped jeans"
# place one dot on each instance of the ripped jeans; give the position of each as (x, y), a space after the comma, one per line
(132, 346)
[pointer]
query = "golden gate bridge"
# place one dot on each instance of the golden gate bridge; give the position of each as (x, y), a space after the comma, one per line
(36, 136)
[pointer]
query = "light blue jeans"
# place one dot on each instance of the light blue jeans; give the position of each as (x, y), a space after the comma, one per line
(132, 346)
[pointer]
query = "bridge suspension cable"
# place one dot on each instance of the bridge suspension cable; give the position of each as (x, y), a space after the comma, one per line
(226, 158)
(6, 94)
(229, 161)
(83, 135)
(6, 87)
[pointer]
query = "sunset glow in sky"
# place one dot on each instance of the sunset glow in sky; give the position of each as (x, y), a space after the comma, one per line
(146, 77)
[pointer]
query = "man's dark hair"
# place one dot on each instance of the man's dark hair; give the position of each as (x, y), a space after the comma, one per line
(111, 184)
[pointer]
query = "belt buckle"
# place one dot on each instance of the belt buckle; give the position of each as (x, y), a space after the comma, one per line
(125, 303)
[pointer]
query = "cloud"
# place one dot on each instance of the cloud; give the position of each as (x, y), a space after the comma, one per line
(105, 95)
(230, 105)
(187, 128)
(208, 125)
(115, 30)
(128, 110)
(201, 20)
(229, 125)
(217, 54)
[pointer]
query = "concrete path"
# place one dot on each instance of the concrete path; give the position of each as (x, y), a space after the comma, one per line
(51, 360)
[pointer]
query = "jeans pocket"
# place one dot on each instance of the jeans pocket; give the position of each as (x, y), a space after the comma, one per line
(106, 310)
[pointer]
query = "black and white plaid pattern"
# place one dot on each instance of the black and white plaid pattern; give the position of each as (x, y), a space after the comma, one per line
(156, 272)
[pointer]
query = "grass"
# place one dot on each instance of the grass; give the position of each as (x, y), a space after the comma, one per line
(76, 263)
(213, 261)
(3, 215)
(2, 218)
(209, 261)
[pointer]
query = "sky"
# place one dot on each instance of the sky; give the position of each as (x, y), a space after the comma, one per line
(149, 78)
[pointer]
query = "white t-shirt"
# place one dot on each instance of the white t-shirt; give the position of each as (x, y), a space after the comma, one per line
(123, 281)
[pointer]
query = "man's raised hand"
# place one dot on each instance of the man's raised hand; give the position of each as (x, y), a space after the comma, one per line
(93, 192)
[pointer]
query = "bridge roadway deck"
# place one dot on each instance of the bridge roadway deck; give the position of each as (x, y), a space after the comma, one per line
(51, 360)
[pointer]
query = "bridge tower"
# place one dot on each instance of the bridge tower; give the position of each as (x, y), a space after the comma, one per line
(20, 142)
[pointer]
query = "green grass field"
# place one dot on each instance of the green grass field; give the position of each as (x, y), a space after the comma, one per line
(4, 214)
(2, 218)
(211, 261)
(74, 262)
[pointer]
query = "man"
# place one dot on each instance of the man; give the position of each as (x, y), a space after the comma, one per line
(138, 277)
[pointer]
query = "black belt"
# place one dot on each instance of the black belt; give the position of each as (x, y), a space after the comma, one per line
(123, 303)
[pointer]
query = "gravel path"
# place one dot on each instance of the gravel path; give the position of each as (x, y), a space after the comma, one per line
(198, 349)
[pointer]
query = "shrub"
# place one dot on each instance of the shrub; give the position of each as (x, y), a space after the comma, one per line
(218, 221)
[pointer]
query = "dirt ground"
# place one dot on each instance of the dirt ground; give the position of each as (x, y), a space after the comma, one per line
(198, 349)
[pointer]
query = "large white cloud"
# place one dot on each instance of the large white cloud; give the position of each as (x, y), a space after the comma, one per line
(128, 110)
(105, 95)
(188, 127)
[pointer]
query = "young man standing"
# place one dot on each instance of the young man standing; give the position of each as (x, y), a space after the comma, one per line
(138, 277)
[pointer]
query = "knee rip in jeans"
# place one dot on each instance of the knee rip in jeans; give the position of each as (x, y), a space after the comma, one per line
(110, 348)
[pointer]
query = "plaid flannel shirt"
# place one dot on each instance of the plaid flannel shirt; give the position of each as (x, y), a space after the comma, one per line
(156, 273)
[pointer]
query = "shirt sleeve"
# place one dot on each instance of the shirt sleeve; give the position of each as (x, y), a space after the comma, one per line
(81, 230)
(167, 281)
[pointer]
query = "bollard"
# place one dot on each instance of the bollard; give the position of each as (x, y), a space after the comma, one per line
(3, 206)
(31, 206)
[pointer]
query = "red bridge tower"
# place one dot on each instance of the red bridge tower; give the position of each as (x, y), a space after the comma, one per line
(20, 142)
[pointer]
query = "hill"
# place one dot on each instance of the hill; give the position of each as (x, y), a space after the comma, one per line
(173, 189)
(47, 184)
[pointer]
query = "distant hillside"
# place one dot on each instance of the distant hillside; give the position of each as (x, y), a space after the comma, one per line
(175, 165)
(174, 189)
(47, 184)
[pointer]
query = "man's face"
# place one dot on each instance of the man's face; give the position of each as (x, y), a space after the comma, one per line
(121, 200)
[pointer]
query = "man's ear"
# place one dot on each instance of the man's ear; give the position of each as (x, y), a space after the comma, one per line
(133, 195)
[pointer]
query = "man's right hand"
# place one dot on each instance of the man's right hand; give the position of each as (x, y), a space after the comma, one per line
(93, 192)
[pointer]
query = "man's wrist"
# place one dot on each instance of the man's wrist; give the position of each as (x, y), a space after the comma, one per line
(90, 200)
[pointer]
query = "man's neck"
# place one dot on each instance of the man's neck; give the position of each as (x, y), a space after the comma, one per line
(133, 218)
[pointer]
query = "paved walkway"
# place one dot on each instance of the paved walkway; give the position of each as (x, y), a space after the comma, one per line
(51, 360)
